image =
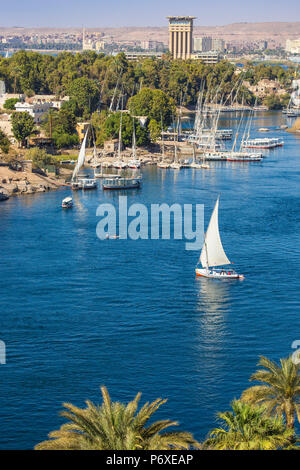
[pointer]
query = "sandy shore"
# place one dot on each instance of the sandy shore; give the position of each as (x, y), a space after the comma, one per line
(14, 183)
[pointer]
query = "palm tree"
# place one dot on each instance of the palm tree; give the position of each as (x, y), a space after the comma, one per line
(247, 427)
(116, 426)
(280, 389)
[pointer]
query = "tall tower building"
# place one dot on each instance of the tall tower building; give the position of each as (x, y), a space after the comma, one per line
(181, 36)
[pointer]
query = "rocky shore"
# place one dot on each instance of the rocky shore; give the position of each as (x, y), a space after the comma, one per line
(14, 183)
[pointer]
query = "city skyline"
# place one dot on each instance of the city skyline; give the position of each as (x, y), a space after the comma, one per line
(70, 14)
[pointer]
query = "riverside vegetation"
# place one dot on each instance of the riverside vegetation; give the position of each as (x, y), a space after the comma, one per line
(262, 419)
(151, 87)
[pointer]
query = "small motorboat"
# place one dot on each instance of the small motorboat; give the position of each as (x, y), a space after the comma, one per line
(213, 254)
(67, 203)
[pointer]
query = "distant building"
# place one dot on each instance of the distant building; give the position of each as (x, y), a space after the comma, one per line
(151, 45)
(111, 146)
(293, 46)
(202, 44)
(142, 55)
(181, 36)
(218, 45)
(210, 57)
(263, 45)
(7, 96)
(81, 129)
(100, 45)
(36, 110)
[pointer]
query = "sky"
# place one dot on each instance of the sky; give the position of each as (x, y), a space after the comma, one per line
(117, 13)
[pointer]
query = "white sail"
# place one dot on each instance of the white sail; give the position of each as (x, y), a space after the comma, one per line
(212, 253)
(295, 95)
(81, 158)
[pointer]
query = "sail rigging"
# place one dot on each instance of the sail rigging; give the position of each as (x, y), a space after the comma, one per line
(213, 253)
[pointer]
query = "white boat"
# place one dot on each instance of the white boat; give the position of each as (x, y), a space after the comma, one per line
(266, 143)
(75, 182)
(134, 163)
(82, 183)
(120, 165)
(121, 183)
(163, 165)
(88, 183)
(176, 166)
(213, 253)
(67, 203)
(243, 157)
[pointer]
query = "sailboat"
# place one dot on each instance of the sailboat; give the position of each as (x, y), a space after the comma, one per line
(213, 253)
(82, 183)
(119, 163)
(162, 164)
(134, 162)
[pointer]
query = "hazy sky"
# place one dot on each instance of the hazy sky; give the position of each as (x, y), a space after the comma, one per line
(115, 13)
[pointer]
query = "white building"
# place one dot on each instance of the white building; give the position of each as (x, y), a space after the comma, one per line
(293, 46)
(203, 44)
(152, 45)
(210, 57)
(36, 110)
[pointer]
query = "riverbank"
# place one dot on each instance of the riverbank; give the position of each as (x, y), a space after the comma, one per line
(14, 183)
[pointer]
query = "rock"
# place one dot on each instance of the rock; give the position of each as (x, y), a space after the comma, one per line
(4, 195)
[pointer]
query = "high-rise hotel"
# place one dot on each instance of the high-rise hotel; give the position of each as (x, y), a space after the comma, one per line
(181, 36)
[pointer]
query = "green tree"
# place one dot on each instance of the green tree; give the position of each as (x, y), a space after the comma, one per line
(155, 104)
(39, 157)
(273, 102)
(10, 103)
(85, 93)
(154, 129)
(279, 390)
(22, 126)
(61, 126)
(4, 142)
(112, 127)
(115, 426)
(247, 427)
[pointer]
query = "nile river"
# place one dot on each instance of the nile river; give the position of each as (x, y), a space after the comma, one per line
(77, 312)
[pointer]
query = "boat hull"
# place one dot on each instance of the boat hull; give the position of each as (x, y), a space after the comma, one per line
(132, 186)
(222, 274)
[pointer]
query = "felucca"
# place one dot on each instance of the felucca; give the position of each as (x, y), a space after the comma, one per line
(82, 183)
(213, 253)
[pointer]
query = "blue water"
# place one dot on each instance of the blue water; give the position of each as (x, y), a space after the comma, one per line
(77, 312)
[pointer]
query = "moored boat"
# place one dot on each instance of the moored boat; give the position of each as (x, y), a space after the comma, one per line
(243, 157)
(266, 143)
(88, 183)
(121, 183)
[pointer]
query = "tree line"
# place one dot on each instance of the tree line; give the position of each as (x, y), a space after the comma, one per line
(31, 72)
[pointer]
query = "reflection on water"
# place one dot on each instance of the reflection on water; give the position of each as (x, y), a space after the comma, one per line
(213, 303)
(213, 295)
